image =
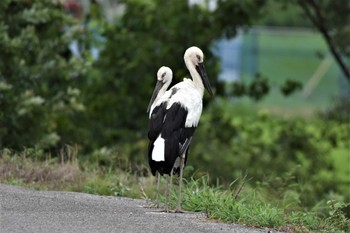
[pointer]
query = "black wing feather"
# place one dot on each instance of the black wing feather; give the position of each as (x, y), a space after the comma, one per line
(170, 123)
(154, 129)
(156, 121)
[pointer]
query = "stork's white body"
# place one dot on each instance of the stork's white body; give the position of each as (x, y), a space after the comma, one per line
(189, 97)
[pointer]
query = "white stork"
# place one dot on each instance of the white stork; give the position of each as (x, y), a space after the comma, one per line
(164, 78)
(175, 117)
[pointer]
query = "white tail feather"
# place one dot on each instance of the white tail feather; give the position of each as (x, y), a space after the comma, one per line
(158, 150)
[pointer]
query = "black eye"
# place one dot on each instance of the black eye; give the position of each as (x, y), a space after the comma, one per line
(198, 57)
(163, 75)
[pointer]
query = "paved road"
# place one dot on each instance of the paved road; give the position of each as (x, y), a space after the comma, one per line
(23, 210)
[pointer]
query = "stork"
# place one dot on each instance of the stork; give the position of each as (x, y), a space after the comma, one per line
(175, 117)
(164, 78)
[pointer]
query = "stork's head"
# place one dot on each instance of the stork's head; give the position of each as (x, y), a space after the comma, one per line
(164, 75)
(164, 78)
(194, 57)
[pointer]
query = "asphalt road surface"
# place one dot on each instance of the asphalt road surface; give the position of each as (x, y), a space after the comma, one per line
(23, 210)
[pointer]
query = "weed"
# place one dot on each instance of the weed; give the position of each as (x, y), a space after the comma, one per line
(337, 219)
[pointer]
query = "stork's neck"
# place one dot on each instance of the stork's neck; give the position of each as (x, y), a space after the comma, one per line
(197, 80)
(162, 90)
(160, 93)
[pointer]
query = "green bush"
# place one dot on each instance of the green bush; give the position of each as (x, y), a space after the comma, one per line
(39, 94)
(281, 154)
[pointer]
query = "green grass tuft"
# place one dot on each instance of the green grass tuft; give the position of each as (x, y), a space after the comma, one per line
(250, 208)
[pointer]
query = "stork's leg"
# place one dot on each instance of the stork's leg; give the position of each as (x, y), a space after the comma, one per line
(169, 190)
(178, 208)
(171, 179)
(167, 195)
(158, 184)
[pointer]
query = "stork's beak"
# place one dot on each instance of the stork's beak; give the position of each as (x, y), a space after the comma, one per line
(159, 85)
(202, 72)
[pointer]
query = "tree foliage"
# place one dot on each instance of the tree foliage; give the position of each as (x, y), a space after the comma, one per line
(38, 75)
(332, 19)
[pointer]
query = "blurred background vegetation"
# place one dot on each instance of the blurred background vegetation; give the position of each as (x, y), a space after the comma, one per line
(81, 73)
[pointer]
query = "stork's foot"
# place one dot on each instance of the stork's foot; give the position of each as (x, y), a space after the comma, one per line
(179, 210)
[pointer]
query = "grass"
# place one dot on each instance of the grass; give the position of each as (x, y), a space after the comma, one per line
(249, 208)
(70, 175)
(233, 204)
(293, 55)
(19, 169)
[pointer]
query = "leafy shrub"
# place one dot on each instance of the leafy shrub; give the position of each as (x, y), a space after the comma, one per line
(281, 153)
(38, 75)
(337, 218)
